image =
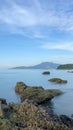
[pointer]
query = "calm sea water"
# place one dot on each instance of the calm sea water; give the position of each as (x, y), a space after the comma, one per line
(62, 104)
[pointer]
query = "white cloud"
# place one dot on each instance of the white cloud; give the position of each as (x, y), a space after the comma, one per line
(56, 14)
(61, 58)
(18, 16)
(58, 46)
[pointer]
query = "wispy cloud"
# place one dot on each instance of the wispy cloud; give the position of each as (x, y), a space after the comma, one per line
(58, 46)
(61, 58)
(25, 17)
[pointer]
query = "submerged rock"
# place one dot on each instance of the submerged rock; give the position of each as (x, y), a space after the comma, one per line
(70, 71)
(46, 73)
(57, 80)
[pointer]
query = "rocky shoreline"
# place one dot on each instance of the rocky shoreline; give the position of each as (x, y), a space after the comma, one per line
(30, 114)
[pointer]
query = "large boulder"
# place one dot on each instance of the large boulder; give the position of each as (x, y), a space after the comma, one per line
(27, 116)
(20, 87)
(57, 80)
(37, 94)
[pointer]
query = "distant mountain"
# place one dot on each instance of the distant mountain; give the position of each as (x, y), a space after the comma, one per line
(43, 65)
(65, 66)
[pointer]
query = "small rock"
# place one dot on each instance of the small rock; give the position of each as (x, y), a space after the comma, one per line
(46, 73)
(57, 80)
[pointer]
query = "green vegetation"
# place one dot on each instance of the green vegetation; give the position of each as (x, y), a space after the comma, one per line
(65, 66)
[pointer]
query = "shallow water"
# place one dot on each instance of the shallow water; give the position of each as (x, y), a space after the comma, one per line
(62, 104)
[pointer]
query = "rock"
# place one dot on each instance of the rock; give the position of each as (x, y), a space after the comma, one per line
(27, 116)
(3, 101)
(70, 71)
(46, 73)
(6, 125)
(1, 111)
(3, 104)
(37, 94)
(72, 116)
(57, 80)
(66, 120)
(20, 87)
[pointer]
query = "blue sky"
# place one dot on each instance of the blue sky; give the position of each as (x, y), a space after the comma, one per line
(34, 31)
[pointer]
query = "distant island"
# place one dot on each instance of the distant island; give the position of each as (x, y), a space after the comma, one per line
(43, 65)
(65, 66)
(47, 65)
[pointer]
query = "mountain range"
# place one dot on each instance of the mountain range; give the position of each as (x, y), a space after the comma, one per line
(43, 65)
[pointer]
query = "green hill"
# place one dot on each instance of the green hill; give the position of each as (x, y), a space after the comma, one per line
(65, 66)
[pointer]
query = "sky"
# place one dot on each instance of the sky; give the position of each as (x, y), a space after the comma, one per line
(35, 31)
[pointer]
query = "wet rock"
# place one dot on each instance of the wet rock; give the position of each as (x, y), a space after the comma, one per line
(46, 73)
(3, 104)
(20, 86)
(72, 116)
(70, 71)
(57, 80)
(27, 116)
(66, 120)
(3, 101)
(37, 94)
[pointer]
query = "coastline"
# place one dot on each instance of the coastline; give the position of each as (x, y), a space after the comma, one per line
(31, 115)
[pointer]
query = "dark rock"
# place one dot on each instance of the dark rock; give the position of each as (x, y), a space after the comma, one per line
(46, 73)
(3, 101)
(70, 71)
(66, 120)
(3, 104)
(57, 80)
(72, 116)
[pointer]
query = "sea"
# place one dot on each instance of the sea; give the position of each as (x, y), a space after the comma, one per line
(62, 104)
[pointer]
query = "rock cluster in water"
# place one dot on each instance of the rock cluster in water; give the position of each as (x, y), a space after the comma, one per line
(30, 114)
